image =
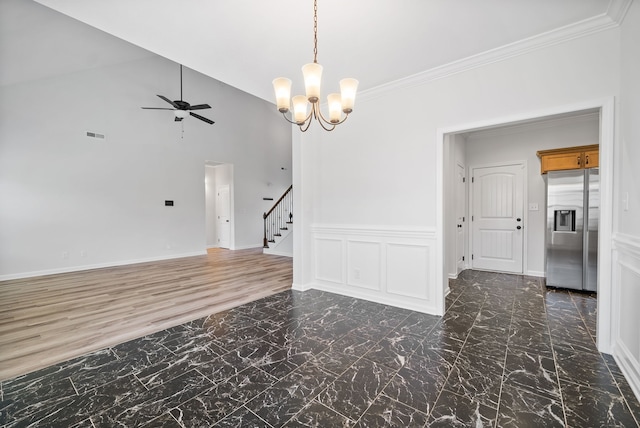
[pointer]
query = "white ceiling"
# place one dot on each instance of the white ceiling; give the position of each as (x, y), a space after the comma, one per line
(247, 43)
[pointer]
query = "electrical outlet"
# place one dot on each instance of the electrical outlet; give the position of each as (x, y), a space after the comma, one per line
(65, 255)
(83, 253)
(356, 274)
(533, 206)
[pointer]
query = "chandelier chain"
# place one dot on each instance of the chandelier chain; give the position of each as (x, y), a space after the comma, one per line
(315, 31)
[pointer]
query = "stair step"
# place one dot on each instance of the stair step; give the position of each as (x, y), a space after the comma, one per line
(273, 240)
(289, 222)
(276, 234)
(284, 228)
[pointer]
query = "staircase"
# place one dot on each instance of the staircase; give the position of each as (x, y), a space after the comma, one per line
(278, 226)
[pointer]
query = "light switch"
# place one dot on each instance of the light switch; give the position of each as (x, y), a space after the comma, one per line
(533, 206)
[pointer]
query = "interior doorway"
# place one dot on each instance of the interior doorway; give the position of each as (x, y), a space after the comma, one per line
(445, 235)
(219, 220)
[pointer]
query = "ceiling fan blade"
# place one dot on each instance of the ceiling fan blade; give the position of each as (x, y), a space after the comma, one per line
(157, 108)
(177, 119)
(204, 119)
(169, 101)
(199, 107)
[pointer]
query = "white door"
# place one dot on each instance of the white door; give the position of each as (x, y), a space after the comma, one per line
(223, 211)
(497, 218)
(460, 217)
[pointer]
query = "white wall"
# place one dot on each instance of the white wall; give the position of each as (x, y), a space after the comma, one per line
(68, 202)
(520, 143)
(626, 260)
(378, 171)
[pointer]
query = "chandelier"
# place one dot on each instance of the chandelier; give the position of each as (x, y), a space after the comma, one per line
(312, 72)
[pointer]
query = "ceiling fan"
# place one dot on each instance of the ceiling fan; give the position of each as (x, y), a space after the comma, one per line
(182, 108)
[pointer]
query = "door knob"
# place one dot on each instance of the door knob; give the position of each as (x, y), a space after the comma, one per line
(519, 227)
(518, 219)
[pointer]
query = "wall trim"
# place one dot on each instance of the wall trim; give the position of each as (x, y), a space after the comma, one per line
(247, 247)
(393, 265)
(362, 294)
(370, 230)
(536, 273)
(278, 253)
(628, 244)
(98, 266)
(626, 255)
(611, 19)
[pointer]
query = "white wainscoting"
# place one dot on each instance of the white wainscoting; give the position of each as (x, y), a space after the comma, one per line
(394, 266)
(626, 307)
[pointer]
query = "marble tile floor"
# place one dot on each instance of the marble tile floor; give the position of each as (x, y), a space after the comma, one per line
(507, 353)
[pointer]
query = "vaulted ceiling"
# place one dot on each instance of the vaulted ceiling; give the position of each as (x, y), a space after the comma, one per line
(247, 43)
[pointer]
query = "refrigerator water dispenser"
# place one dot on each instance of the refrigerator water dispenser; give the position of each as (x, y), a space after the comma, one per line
(564, 221)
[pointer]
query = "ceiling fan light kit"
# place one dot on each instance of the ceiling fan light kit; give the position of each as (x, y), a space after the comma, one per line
(312, 73)
(182, 109)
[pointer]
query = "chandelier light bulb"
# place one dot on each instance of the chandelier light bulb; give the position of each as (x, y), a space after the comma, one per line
(335, 107)
(299, 109)
(312, 73)
(348, 88)
(282, 88)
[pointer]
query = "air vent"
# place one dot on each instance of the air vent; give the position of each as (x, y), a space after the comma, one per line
(96, 135)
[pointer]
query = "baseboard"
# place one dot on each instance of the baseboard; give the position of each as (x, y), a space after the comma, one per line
(278, 253)
(626, 364)
(535, 273)
(247, 247)
(301, 287)
(97, 266)
(382, 299)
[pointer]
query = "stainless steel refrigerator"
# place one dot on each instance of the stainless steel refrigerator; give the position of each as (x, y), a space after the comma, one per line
(573, 206)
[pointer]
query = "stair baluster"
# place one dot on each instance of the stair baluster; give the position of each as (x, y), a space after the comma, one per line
(278, 217)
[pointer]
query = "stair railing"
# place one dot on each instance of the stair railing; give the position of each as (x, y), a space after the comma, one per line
(278, 218)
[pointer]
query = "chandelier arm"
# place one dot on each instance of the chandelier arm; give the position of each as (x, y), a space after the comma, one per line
(321, 122)
(294, 122)
(328, 122)
(287, 119)
(308, 123)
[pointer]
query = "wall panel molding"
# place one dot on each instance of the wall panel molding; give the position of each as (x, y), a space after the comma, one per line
(625, 298)
(386, 264)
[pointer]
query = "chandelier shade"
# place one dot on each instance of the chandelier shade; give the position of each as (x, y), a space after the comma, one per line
(338, 104)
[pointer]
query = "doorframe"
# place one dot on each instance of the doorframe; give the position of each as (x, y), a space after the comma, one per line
(606, 107)
(465, 211)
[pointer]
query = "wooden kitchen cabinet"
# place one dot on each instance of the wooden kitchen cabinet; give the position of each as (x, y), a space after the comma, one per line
(592, 158)
(579, 157)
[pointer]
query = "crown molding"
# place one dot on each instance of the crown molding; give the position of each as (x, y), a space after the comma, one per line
(612, 18)
(618, 9)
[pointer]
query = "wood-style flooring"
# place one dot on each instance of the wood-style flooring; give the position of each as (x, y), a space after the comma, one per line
(49, 319)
